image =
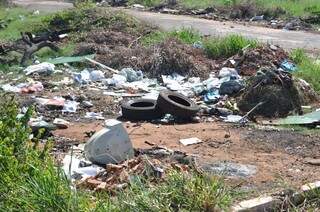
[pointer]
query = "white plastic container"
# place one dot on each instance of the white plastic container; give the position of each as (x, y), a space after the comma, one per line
(110, 145)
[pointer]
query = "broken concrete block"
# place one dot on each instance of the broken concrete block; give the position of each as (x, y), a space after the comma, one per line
(256, 205)
(61, 123)
(190, 141)
(110, 145)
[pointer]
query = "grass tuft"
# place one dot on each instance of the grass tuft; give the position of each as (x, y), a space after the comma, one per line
(227, 46)
(185, 35)
(308, 69)
(179, 192)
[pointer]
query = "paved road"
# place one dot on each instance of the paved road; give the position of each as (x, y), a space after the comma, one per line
(287, 39)
(45, 6)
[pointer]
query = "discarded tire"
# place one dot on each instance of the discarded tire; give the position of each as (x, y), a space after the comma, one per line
(176, 104)
(140, 109)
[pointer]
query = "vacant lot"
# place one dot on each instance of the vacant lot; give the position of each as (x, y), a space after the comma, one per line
(166, 175)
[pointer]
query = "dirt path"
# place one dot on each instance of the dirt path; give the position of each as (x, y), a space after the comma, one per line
(287, 39)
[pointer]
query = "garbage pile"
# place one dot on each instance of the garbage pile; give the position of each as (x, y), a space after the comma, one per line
(107, 161)
(249, 61)
(116, 177)
(276, 90)
(250, 78)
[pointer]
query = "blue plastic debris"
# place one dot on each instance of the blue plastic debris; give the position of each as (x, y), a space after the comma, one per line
(288, 66)
(198, 45)
(212, 96)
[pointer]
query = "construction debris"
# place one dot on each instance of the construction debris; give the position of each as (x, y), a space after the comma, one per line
(190, 141)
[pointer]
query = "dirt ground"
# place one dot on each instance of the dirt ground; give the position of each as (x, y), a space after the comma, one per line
(278, 155)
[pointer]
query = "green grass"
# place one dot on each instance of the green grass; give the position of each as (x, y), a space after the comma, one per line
(18, 20)
(308, 69)
(185, 35)
(227, 46)
(178, 193)
(293, 7)
(214, 47)
(29, 180)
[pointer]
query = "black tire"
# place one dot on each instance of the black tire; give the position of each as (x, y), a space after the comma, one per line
(140, 109)
(176, 104)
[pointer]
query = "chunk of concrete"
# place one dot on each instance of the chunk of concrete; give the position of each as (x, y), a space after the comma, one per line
(260, 204)
(110, 145)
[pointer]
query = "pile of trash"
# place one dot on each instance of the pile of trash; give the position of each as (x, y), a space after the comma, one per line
(107, 161)
(227, 94)
(116, 177)
(250, 60)
(275, 90)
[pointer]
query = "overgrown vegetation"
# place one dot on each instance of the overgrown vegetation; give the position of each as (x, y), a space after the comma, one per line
(29, 180)
(215, 47)
(83, 18)
(185, 35)
(178, 193)
(308, 68)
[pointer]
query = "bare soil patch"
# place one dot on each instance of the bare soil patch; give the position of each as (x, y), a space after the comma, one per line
(278, 155)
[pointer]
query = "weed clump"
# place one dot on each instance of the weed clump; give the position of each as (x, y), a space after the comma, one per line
(308, 69)
(178, 192)
(227, 46)
(29, 180)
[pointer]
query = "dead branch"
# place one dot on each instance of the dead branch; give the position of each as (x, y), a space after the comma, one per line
(36, 47)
